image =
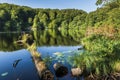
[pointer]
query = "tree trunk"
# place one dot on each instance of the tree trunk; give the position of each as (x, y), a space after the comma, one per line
(43, 72)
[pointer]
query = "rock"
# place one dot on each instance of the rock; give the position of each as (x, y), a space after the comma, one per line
(60, 70)
(81, 48)
(76, 71)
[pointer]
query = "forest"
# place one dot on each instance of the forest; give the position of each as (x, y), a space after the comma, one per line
(23, 18)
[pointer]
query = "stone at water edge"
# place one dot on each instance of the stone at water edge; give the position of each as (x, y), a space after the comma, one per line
(60, 70)
(76, 71)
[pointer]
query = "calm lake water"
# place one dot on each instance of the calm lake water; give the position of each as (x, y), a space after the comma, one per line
(55, 46)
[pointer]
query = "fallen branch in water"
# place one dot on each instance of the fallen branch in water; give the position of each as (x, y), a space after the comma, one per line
(43, 72)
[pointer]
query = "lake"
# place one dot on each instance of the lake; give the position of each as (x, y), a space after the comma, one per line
(55, 46)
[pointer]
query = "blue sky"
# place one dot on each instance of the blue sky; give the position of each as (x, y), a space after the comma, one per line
(87, 5)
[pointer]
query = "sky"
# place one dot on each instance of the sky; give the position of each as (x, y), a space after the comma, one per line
(86, 5)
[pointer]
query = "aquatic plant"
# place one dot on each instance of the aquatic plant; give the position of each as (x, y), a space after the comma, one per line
(101, 56)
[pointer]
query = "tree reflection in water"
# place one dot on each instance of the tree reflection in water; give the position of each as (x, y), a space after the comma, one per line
(46, 37)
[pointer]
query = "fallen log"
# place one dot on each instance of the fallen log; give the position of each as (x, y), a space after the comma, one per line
(43, 72)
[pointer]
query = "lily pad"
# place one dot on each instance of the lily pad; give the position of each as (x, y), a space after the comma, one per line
(58, 54)
(4, 74)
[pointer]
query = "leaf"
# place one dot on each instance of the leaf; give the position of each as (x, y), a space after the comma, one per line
(58, 54)
(4, 74)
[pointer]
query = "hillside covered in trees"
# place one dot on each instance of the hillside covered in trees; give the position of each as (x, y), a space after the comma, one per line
(22, 18)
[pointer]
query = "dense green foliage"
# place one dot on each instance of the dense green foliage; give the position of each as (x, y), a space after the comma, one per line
(99, 2)
(102, 55)
(107, 15)
(102, 42)
(21, 18)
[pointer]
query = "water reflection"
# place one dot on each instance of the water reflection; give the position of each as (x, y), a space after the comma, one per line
(55, 37)
(55, 46)
(23, 69)
(7, 41)
(46, 37)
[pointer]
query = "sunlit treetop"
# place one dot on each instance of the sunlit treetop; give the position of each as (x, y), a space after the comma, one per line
(99, 2)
